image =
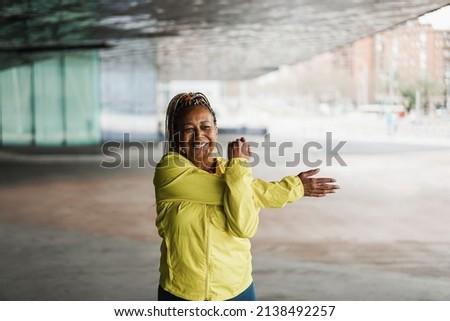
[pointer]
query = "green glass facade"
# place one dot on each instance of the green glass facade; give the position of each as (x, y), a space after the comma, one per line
(51, 102)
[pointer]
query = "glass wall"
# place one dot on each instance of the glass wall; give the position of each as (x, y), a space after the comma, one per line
(51, 102)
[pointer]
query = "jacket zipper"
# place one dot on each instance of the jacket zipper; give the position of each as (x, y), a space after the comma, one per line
(207, 225)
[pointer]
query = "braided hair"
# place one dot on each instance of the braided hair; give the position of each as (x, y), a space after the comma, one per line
(177, 105)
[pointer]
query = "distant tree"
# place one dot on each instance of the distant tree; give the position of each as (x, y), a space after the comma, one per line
(409, 95)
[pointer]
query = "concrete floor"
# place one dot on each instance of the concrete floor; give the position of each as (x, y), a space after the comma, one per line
(70, 230)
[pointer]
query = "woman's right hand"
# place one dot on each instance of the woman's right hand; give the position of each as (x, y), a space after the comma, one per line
(317, 187)
(239, 148)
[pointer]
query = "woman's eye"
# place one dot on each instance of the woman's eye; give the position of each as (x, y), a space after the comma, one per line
(206, 127)
(188, 129)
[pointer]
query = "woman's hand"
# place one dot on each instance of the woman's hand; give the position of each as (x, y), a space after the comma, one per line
(239, 149)
(317, 187)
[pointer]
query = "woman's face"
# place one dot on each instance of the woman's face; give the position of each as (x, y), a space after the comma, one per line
(198, 136)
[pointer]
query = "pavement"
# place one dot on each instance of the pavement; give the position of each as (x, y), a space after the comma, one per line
(73, 230)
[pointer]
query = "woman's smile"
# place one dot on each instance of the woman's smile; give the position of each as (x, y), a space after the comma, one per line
(200, 144)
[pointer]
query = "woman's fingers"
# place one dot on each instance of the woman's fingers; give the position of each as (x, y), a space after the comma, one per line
(319, 193)
(238, 148)
(324, 180)
(317, 187)
(328, 186)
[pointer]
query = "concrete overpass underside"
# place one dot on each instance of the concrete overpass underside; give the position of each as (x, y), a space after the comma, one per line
(197, 39)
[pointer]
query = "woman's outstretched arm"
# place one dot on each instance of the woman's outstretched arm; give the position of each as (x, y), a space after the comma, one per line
(291, 188)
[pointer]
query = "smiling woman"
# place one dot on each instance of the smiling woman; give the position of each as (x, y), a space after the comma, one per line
(208, 207)
(191, 128)
(198, 136)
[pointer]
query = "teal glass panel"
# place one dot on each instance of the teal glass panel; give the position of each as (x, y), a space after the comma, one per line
(48, 101)
(81, 95)
(15, 106)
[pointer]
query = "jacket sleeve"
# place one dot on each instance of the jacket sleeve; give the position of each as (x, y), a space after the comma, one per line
(177, 180)
(240, 209)
(277, 194)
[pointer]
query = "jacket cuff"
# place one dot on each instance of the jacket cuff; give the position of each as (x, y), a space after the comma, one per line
(298, 187)
(239, 161)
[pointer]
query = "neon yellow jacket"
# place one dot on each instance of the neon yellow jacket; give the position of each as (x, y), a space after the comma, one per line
(205, 222)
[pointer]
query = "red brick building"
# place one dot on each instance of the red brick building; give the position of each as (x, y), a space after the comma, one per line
(406, 58)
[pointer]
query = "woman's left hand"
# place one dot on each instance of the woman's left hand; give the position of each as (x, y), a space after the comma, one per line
(239, 148)
(317, 187)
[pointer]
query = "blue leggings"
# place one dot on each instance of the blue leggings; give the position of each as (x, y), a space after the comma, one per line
(246, 295)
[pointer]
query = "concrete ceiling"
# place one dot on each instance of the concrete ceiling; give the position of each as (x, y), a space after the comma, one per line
(197, 39)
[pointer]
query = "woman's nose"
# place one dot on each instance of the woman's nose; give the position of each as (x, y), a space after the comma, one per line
(197, 132)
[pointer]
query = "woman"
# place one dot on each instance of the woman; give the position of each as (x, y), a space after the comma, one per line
(207, 207)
